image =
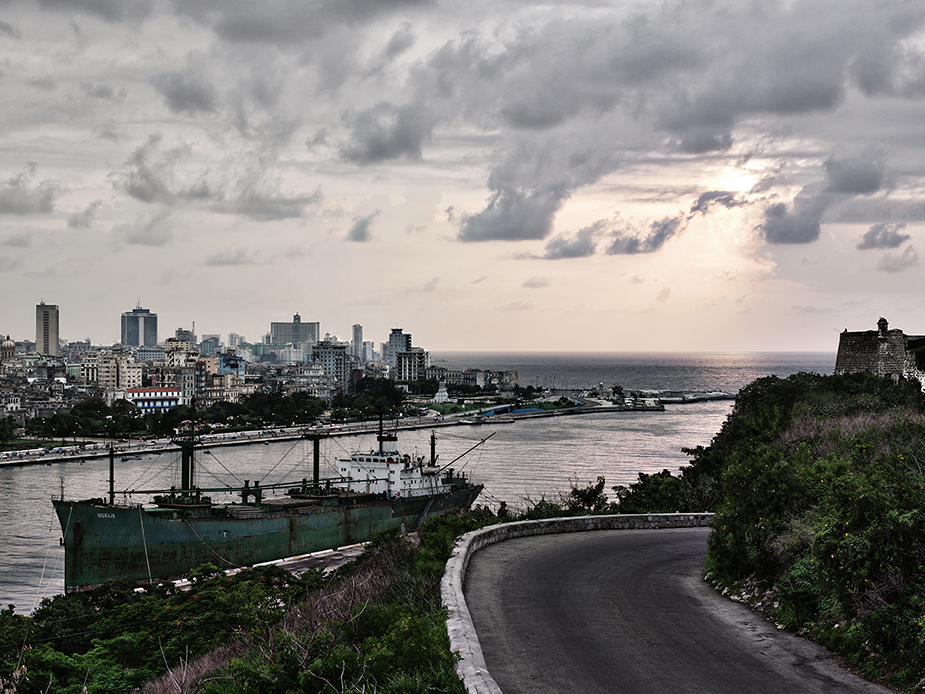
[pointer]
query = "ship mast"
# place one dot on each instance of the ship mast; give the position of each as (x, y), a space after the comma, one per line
(187, 468)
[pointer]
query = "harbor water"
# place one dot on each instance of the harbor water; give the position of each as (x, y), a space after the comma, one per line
(521, 463)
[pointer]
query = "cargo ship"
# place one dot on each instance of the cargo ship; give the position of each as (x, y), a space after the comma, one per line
(180, 529)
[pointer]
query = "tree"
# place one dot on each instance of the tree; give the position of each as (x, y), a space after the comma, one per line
(7, 429)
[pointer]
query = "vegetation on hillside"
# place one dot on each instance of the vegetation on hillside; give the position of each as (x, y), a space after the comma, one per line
(375, 625)
(818, 483)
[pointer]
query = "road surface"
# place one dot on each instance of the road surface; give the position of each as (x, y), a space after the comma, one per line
(626, 612)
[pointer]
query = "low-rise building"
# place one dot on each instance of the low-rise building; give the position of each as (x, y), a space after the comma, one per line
(153, 399)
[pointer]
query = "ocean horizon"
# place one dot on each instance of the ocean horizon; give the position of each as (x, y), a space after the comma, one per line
(701, 371)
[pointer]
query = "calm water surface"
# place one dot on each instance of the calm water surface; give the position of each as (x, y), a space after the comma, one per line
(526, 460)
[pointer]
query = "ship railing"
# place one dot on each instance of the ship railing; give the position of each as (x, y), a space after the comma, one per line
(278, 485)
(125, 503)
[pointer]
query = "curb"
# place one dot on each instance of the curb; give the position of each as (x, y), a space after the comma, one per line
(463, 638)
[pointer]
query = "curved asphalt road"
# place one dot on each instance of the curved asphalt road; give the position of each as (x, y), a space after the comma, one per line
(626, 611)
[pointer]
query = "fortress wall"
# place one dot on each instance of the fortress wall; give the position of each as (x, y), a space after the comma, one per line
(883, 352)
(856, 352)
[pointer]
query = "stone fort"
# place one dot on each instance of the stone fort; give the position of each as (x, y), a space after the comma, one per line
(882, 351)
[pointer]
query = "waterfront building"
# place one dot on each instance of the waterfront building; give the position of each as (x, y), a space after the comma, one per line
(153, 399)
(139, 328)
(410, 365)
(399, 341)
(295, 332)
(46, 329)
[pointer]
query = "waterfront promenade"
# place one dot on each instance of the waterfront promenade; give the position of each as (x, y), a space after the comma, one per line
(99, 448)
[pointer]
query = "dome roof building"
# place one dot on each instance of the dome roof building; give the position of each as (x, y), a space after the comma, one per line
(7, 350)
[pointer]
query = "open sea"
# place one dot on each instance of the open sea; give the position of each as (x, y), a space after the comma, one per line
(522, 462)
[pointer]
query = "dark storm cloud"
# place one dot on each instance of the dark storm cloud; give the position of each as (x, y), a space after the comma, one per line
(801, 223)
(152, 175)
(867, 210)
(711, 198)
(109, 10)
(401, 41)
(185, 93)
(883, 235)
(20, 195)
(626, 241)
(703, 141)
(581, 245)
(883, 66)
(513, 216)
(359, 230)
(387, 132)
(9, 30)
(860, 175)
(103, 91)
(728, 64)
(286, 21)
(84, 220)
(147, 174)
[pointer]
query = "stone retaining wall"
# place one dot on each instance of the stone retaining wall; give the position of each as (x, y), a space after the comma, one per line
(471, 666)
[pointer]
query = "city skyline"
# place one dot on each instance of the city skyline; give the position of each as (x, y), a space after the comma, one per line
(582, 176)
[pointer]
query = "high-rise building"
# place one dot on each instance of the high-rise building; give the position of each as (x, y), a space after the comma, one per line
(369, 351)
(46, 329)
(139, 328)
(399, 341)
(210, 344)
(333, 360)
(356, 345)
(295, 332)
(186, 335)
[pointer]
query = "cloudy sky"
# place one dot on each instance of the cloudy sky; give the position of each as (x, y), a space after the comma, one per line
(488, 175)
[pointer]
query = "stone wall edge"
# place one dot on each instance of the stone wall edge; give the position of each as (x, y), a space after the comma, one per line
(463, 638)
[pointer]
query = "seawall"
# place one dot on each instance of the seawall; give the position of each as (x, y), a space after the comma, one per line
(463, 637)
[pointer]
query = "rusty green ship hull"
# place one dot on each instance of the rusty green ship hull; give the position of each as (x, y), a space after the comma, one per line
(104, 541)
